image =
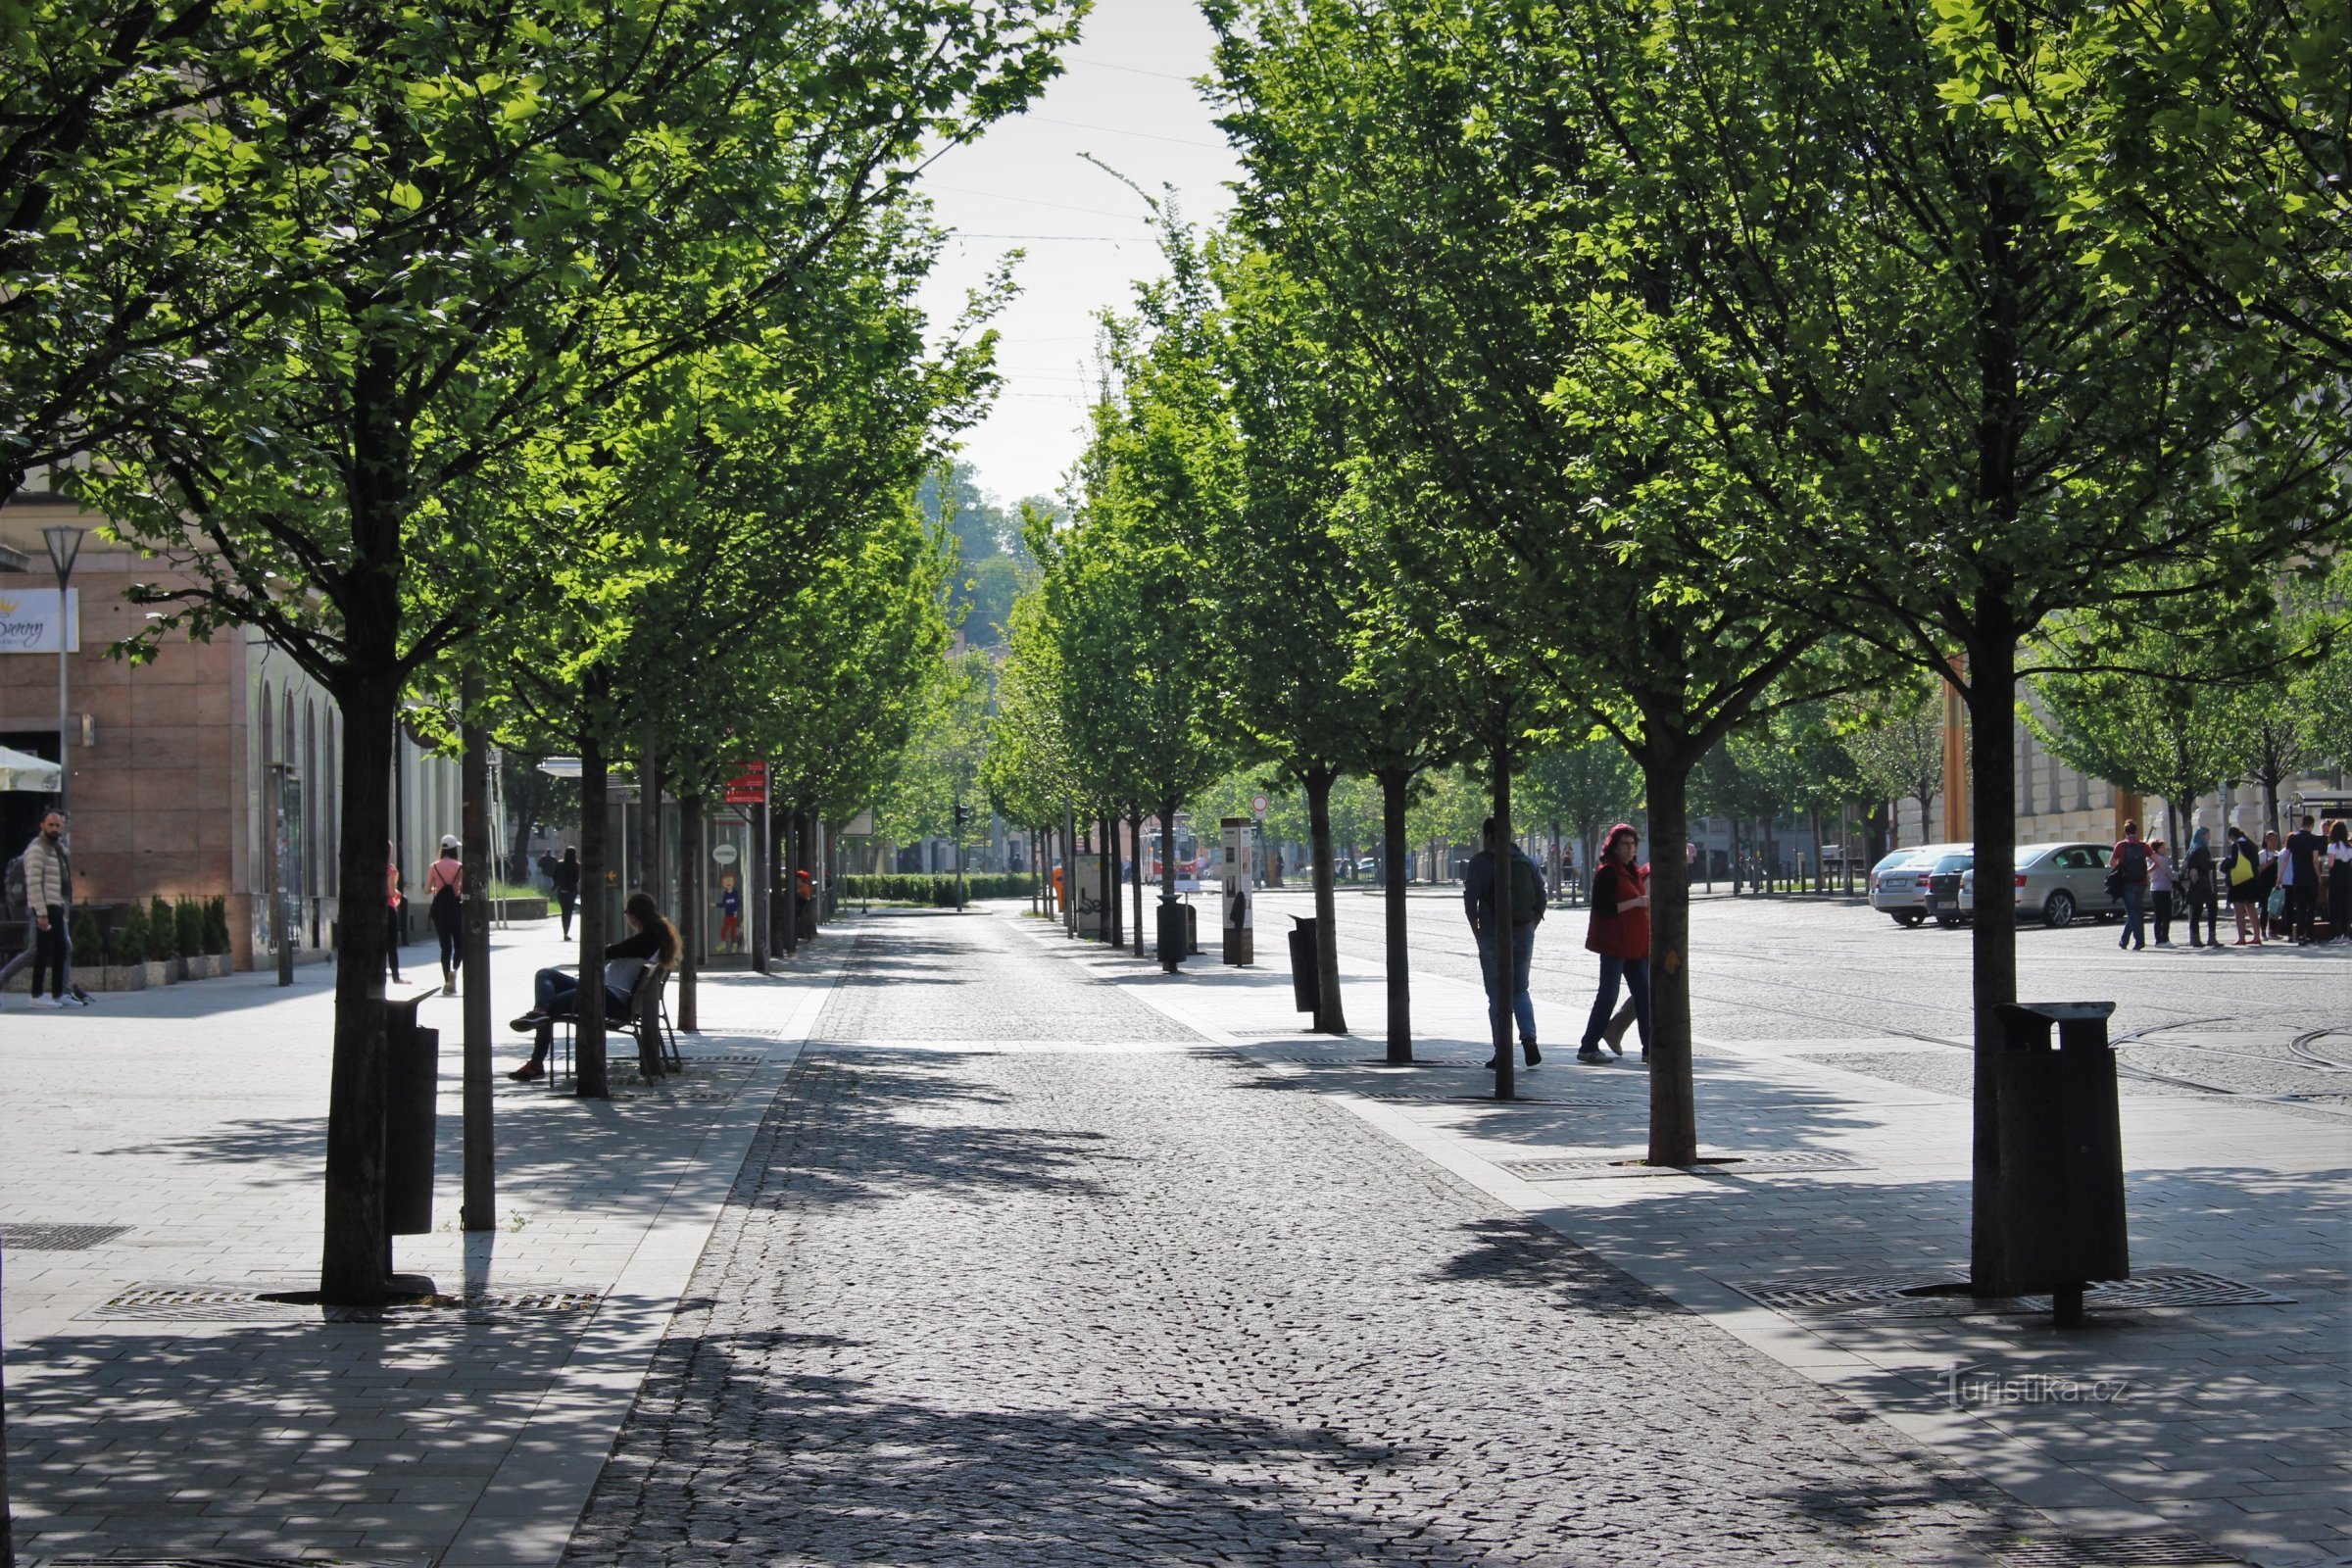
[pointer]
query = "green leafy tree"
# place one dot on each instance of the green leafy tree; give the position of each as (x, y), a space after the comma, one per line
(1583, 785)
(498, 219)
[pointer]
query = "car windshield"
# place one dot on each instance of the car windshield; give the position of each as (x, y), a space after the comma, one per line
(1955, 862)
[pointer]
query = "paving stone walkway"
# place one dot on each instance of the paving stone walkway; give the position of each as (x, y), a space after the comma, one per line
(1019, 1272)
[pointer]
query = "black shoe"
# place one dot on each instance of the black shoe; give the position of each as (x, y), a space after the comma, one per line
(1493, 1064)
(1533, 1054)
(528, 1072)
(528, 1022)
(1590, 1056)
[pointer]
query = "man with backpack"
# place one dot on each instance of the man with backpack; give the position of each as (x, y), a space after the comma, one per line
(2128, 880)
(1526, 912)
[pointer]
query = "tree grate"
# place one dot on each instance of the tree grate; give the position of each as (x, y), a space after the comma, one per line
(191, 1562)
(1937, 1296)
(2147, 1549)
(746, 1061)
(1483, 1100)
(242, 1304)
(58, 1238)
(1710, 1164)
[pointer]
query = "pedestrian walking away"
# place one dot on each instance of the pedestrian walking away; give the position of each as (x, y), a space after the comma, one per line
(2199, 876)
(2241, 867)
(1527, 913)
(1619, 933)
(2128, 880)
(393, 899)
(445, 891)
(556, 992)
(2160, 889)
(567, 880)
(2300, 873)
(49, 899)
(2340, 880)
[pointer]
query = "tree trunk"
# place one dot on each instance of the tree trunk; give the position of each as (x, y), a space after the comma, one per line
(690, 908)
(1069, 872)
(1673, 1110)
(588, 1030)
(1135, 869)
(1394, 785)
(353, 1264)
(480, 1211)
(1110, 882)
(1331, 1018)
(1507, 968)
(1168, 961)
(788, 893)
(1992, 682)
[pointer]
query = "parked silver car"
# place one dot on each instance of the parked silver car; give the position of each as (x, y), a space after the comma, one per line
(1899, 884)
(2058, 883)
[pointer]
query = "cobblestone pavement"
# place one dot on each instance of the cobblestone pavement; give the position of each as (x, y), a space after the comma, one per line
(1013, 1275)
(2273, 1021)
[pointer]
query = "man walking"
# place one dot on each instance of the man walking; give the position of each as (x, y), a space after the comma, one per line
(49, 895)
(1527, 909)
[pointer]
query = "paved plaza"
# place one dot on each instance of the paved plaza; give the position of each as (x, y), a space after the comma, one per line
(960, 1243)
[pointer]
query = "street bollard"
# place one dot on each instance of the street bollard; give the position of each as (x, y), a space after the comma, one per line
(412, 1081)
(2061, 1162)
(1306, 980)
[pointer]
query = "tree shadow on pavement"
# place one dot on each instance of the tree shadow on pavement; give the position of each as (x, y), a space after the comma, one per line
(841, 1474)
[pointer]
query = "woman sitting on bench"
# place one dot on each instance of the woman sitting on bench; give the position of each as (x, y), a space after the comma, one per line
(652, 939)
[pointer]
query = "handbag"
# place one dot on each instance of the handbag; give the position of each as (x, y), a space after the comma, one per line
(2277, 903)
(2242, 871)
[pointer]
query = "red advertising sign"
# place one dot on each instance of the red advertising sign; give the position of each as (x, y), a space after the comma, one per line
(748, 786)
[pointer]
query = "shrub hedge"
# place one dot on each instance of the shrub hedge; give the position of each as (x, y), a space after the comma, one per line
(939, 892)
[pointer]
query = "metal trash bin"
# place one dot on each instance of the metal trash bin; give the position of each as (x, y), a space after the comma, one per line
(1306, 980)
(1173, 932)
(1192, 929)
(412, 1081)
(2060, 1195)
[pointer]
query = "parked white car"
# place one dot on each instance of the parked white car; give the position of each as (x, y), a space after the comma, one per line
(1899, 884)
(2058, 883)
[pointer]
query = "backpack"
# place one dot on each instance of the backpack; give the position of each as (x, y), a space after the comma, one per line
(13, 889)
(1527, 892)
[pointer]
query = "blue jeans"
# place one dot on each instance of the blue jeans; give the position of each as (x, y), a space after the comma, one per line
(1523, 952)
(2135, 933)
(556, 992)
(1634, 972)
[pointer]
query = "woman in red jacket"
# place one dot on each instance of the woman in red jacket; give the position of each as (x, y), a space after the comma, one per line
(1620, 934)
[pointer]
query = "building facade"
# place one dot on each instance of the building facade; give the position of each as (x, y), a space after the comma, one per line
(210, 770)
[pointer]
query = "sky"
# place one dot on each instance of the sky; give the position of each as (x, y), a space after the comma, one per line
(1127, 97)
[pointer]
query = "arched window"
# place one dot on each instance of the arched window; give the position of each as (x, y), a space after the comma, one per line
(269, 726)
(330, 784)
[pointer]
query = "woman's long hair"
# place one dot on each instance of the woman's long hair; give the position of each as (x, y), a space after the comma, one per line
(649, 915)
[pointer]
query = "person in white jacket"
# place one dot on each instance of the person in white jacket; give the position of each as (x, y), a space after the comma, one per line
(49, 895)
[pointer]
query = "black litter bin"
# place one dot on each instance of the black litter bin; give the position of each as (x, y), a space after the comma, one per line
(1306, 980)
(1173, 931)
(1191, 930)
(412, 1079)
(2061, 1166)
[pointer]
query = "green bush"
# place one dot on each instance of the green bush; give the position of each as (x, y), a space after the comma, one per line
(939, 892)
(216, 924)
(160, 928)
(130, 938)
(89, 945)
(187, 928)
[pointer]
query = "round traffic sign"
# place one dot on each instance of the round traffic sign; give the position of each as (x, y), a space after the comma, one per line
(1258, 804)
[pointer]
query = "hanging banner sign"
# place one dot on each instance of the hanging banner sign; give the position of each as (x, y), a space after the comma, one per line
(30, 621)
(748, 786)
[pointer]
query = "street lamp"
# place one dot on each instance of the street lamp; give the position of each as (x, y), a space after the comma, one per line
(64, 540)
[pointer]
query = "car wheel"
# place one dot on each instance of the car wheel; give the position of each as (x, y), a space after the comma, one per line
(1947, 921)
(2059, 912)
(1906, 919)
